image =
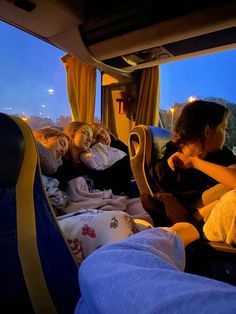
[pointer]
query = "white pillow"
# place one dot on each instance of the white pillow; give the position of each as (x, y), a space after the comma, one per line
(101, 156)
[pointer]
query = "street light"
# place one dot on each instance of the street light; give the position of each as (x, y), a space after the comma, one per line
(192, 98)
(172, 110)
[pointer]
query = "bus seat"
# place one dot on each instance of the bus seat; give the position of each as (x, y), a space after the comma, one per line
(38, 272)
(211, 259)
(145, 143)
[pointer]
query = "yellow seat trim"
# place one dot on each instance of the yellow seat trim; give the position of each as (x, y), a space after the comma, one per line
(26, 227)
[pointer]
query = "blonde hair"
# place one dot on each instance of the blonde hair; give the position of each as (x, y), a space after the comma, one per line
(73, 127)
(48, 132)
(96, 127)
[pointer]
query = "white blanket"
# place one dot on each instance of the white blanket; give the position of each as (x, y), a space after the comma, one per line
(81, 198)
(220, 225)
(93, 228)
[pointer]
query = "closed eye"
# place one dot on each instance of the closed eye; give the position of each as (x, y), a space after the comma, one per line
(86, 133)
(62, 143)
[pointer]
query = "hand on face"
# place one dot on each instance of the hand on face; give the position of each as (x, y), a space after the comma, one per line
(179, 160)
(193, 149)
(103, 137)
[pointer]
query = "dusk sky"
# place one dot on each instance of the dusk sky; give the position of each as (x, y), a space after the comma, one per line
(33, 79)
(206, 76)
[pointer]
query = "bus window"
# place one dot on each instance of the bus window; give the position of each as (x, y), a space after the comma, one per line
(98, 98)
(33, 80)
(208, 77)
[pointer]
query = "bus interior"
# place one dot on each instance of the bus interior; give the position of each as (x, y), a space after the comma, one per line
(121, 41)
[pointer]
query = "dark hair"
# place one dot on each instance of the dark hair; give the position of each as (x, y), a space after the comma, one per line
(194, 117)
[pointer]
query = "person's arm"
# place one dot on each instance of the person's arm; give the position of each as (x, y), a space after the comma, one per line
(222, 174)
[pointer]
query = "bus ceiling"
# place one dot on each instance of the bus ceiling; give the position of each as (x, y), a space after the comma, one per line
(128, 35)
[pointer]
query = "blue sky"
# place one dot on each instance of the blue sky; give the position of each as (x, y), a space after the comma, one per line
(206, 76)
(31, 67)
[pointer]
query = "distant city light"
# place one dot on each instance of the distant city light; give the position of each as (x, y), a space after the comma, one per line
(25, 119)
(50, 91)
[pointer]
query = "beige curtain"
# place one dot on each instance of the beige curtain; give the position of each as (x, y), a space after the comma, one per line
(108, 114)
(149, 97)
(81, 88)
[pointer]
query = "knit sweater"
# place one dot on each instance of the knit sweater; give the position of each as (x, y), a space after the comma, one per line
(49, 164)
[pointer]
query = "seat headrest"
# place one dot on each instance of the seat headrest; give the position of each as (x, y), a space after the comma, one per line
(11, 150)
(160, 137)
(145, 147)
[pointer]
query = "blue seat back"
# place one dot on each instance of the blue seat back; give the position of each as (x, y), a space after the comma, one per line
(38, 271)
(145, 146)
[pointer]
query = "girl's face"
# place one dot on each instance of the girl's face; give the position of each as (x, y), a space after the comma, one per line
(57, 145)
(83, 137)
(213, 141)
(215, 137)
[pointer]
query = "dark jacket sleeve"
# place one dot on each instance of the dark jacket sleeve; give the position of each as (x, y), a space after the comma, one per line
(163, 176)
(117, 177)
(68, 172)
